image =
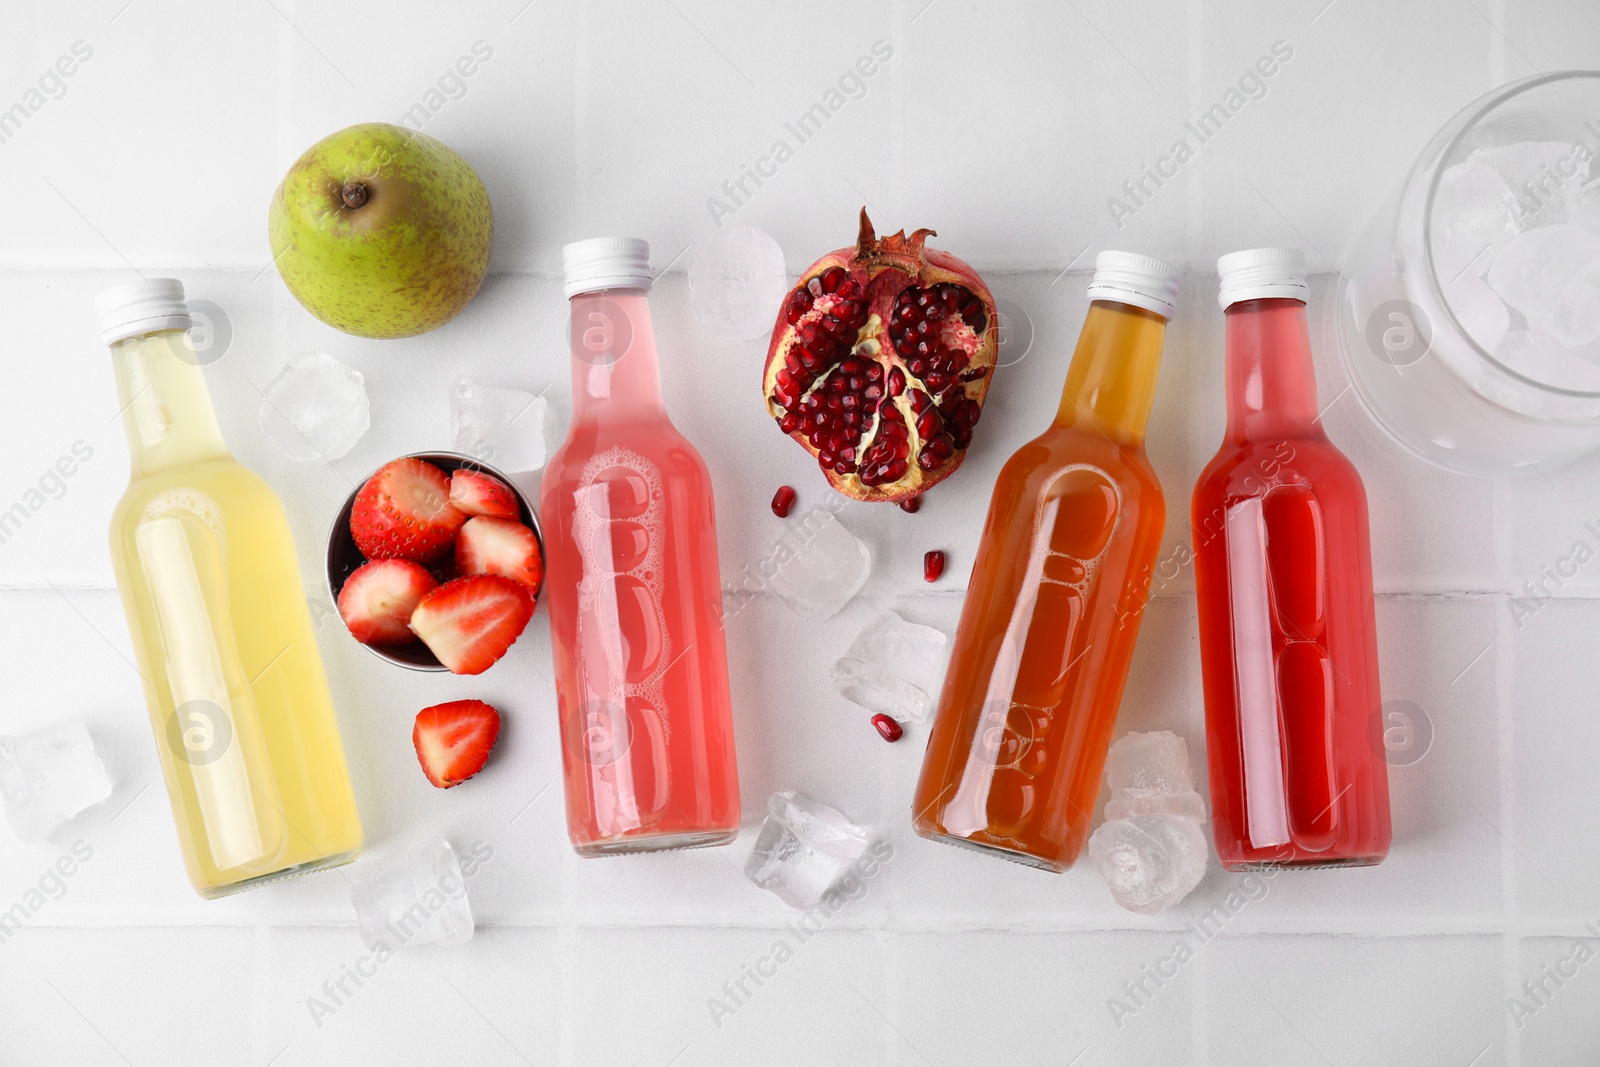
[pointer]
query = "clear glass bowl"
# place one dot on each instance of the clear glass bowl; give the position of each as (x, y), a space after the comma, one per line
(1415, 366)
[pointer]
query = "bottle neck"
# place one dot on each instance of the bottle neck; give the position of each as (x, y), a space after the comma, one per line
(614, 370)
(166, 407)
(1111, 383)
(1271, 388)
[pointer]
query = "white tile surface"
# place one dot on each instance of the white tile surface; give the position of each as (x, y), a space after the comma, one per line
(1555, 736)
(1382, 1001)
(1007, 127)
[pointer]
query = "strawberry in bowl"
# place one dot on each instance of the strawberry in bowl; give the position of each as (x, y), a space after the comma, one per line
(435, 562)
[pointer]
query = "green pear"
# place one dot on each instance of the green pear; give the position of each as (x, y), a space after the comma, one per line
(380, 231)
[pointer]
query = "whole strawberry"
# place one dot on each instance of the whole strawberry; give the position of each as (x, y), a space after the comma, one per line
(404, 512)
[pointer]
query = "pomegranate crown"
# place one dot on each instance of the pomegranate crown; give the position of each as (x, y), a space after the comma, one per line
(897, 250)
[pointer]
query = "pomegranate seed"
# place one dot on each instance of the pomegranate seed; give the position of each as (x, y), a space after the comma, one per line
(887, 728)
(782, 501)
(911, 506)
(932, 565)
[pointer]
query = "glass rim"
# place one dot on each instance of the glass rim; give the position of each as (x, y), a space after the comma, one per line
(1479, 110)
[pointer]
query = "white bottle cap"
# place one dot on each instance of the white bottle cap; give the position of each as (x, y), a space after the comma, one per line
(1262, 273)
(145, 306)
(606, 263)
(1143, 281)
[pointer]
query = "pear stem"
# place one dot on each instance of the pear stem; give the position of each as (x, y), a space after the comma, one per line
(354, 193)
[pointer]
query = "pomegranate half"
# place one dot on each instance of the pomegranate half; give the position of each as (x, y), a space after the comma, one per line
(880, 361)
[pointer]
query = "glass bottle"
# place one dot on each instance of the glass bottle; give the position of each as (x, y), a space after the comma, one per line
(205, 563)
(633, 587)
(1057, 590)
(1283, 573)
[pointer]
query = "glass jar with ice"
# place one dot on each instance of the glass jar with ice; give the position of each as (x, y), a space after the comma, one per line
(1469, 309)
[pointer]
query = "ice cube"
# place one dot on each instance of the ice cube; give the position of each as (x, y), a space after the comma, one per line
(1473, 217)
(1586, 214)
(1150, 862)
(893, 666)
(1543, 177)
(1479, 309)
(1150, 774)
(501, 427)
(737, 282)
(1536, 355)
(804, 847)
(315, 409)
(1533, 271)
(1575, 320)
(48, 776)
(1129, 803)
(1158, 760)
(817, 565)
(416, 898)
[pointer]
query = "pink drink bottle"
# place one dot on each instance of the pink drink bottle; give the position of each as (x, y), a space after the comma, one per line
(633, 587)
(1283, 571)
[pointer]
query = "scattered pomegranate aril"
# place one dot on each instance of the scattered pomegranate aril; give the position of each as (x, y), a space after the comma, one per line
(887, 728)
(782, 501)
(932, 565)
(879, 364)
(912, 506)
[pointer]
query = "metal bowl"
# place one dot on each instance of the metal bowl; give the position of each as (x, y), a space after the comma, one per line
(344, 557)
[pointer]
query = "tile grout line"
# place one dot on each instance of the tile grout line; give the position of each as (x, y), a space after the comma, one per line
(897, 122)
(889, 944)
(580, 114)
(912, 589)
(262, 962)
(1504, 665)
(776, 924)
(567, 956)
(261, 994)
(1194, 209)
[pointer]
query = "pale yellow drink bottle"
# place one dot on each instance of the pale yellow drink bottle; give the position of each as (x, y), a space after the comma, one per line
(205, 563)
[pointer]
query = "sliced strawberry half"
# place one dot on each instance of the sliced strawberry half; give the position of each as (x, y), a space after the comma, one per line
(377, 600)
(476, 493)
(404, 512)
(470, 622)
(496, 546)
(453, 740)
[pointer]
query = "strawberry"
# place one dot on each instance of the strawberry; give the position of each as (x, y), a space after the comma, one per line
(404, 512)
(453, 740)
(377, 600)
(470, 622)
(477, 493)
(495, 546)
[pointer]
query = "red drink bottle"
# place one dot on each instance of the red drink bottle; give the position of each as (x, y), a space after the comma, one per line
(1283, 573)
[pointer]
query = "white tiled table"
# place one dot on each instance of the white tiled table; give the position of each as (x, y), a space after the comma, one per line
(1007, 127)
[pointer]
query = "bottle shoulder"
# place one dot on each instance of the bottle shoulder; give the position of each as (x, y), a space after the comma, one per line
(655, 442)
(1057, 451)
(1249, 468)
(220, 485)
(1311, 467)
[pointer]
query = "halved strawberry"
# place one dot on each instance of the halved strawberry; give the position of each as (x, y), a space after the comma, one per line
(377, 600)
(470, 622)
(453, 740)
(496, 546)
(404, 512)
(477, 493)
